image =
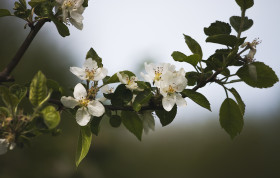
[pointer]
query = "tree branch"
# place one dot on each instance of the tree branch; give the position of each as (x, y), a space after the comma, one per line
(5, 74)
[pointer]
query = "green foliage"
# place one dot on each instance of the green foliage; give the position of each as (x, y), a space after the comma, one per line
(166, 117)
(19, 91)
(4, 12)
(9, 99)
(94, 56)
(95, 125)
(218, 28)
(141, 99)
(4, 112)
(84, 143)
(115, 121)
(57, 90)
(192, 77)
(223, 39)
(51, 117)
(133, 123)
(231, 118)
(61, 27)
(21, 10)
(38, 89)
(197, 98)
(122, 96)
(239, 100)
(85, 4)
(235, 22)
(34, 3)
(245, 4)
(181, 57)
(193, 46)
(144, 85)
(265, 76)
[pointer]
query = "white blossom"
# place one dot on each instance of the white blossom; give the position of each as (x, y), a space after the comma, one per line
(72, 11)
(171, 84)
(130, 82)
(90, 71)
(87, 107)
(252, 46)
(105, 89)
(155, 72)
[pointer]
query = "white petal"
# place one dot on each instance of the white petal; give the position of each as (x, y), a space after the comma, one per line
(69, 101)
(82, 116)
(12, 146)
(80, 92)
(76, 16)
(3, 146)
(95, 108)
(146, 77)
(168, 102)
(90, 64)
(180, 101)
(123, 78)
(150, 69)
(79, 72)
(105, 89)
(101, 74)
(78, 25)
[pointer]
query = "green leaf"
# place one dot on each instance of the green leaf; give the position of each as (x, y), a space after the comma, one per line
(115, 79)
(141, 99)
(228, 40)
(144, 85)
(218, 28)
(85, 4)
(181, 57)
(166, 117)
(4, 112)
(95, 125)
(115, 121)
(192, 77)
(51, 117)
(235, 23)
(94, 56)
(38, 89)
(231, 118)
(121, 96)
(265, 76)
(19, 91)
(61, 27)
(197, 98)
(34, 3)
(133, 123)
(238, 98)
(5, 12)
(83, 144)
(245, 4)
(10, 100)
(194, 46)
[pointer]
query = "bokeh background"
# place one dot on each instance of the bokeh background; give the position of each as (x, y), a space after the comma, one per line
(125, 33)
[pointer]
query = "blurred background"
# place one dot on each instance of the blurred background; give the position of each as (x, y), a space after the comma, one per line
(126, 33)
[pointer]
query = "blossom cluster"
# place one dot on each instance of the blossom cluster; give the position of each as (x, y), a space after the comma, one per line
(86, 100)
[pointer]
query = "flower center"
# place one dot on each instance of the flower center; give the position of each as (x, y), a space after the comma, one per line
(84, 102)
(90, 74)
(68, 4)
(130, 81)
(170, 90)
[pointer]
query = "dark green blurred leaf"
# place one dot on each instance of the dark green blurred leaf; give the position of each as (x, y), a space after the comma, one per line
(83, 144)
(34, 3)
(265, 78)
(19, 91)
(38, 89)
(245, 4)
(197, 98)
(61, 27)
(141, 99)
(239, 100)
(94, 56)
(231, 118)
(121, 96)
(166, 117)
(85, 4)
(4, 12)
(144, 85)
(235, 23)
(228, 40)
(192, 77)
(133, 123)
(181, 57)
(218, 28)
(193, 46)
(95, 125)
(51, 117)
(115, 121)
(225, 72)
(4, 112)
(10, 100)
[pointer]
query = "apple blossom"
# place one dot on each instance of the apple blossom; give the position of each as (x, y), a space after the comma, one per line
(4, 145)
(128, 81)
(87, 107)
(171, 84)
(90, 71)
(72, 11)
(105, 89)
